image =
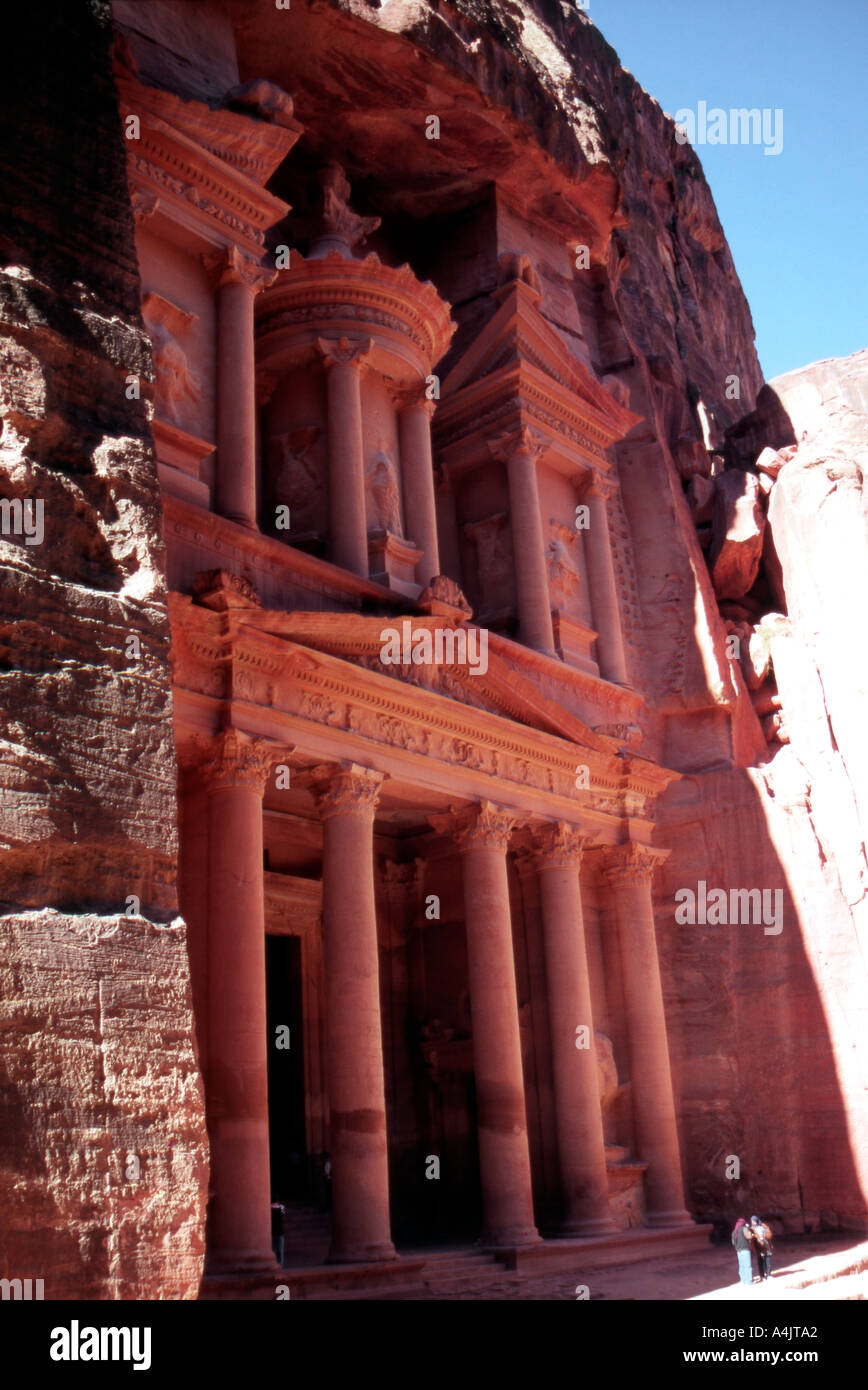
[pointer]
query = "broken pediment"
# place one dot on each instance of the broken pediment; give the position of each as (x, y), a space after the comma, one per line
(452, 661)
(520, 337)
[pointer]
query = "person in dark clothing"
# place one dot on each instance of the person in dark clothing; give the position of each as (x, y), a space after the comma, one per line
(762, 1237)
(741, 1240)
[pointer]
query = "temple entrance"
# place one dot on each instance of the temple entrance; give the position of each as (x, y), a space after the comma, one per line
(290, 1175)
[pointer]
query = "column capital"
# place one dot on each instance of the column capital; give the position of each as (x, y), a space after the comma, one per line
(480, 826)
(345, 352)
(519, 441)
(559, 845)
(229, 266)
(415, 398)
(630, 862)
(344, 789)
(236, 760)
(600, 488)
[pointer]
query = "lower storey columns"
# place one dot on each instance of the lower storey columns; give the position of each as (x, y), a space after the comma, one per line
(628, 869)
(346, 797)
(581, 1146)
(482, 833)
(237, 1080)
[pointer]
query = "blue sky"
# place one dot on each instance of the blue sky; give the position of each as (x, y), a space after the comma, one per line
(796, 222)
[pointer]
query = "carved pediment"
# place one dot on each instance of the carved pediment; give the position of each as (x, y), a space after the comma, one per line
(519, 336)
(477, 676)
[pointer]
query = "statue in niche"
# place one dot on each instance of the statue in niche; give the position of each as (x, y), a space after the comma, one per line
(296, 469)
(177, 391)
(564, 579)
(494, 561)
(384, 499)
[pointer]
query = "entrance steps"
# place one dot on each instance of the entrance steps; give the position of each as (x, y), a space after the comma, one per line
(307, 1235)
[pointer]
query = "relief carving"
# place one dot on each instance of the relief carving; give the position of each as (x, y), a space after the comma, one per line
(383, 499)
(564, 579)
(494, 561)
(178, 389)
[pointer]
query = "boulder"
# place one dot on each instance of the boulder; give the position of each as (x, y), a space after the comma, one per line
(737, 524)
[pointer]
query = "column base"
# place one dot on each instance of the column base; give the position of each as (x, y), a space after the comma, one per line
(601, 1226)
(509, 1239)
(669, 1218)
(241, 520)
(241, 1262)
(363, 1254)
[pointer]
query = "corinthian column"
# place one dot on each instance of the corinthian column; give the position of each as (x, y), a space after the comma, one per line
(628, 870)
(235, 773)
(344, 362)
(581, 1146)
(482, 833)
(417, 472)
(346, 797)
(238, 282)
(601, 580)
(520, 451)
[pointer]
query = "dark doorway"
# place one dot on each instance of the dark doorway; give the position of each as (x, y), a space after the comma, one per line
(287, 1140)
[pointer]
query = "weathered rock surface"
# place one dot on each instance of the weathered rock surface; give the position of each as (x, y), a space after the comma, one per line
(737, 529)
(103, 1153)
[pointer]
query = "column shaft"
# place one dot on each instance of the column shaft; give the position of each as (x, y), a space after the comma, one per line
(604, 592)
(418, 478)
(237, 1064)
(581, 1146)
(650, 1073)
(344, 364)
(357, 1102)
(534, 601)
(483, 833)
(236, 403)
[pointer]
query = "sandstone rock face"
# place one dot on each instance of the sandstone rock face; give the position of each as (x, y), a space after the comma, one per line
(103, 1156)
(736, 534)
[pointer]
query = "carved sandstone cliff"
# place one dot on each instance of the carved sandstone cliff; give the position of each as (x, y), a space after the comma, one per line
(103, 1153)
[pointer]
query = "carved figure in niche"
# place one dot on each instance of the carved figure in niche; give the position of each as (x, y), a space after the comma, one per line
(384, 499)
(564, 579)
(493, 560)
(610, 1090)
(296, 473)
(177, 390)
(336, 228)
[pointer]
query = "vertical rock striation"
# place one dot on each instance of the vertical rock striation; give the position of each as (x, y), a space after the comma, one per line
(103, 1153)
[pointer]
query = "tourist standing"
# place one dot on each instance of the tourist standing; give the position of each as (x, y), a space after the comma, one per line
(741, 1239)
(762, 1236)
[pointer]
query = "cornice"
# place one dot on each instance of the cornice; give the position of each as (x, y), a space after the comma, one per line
(219, 657)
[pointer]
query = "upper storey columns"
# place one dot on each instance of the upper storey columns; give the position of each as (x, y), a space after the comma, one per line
(628, 870)
(601, 580)
(239, 280)
(521, 451)
(344, 362)
(414, 423)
